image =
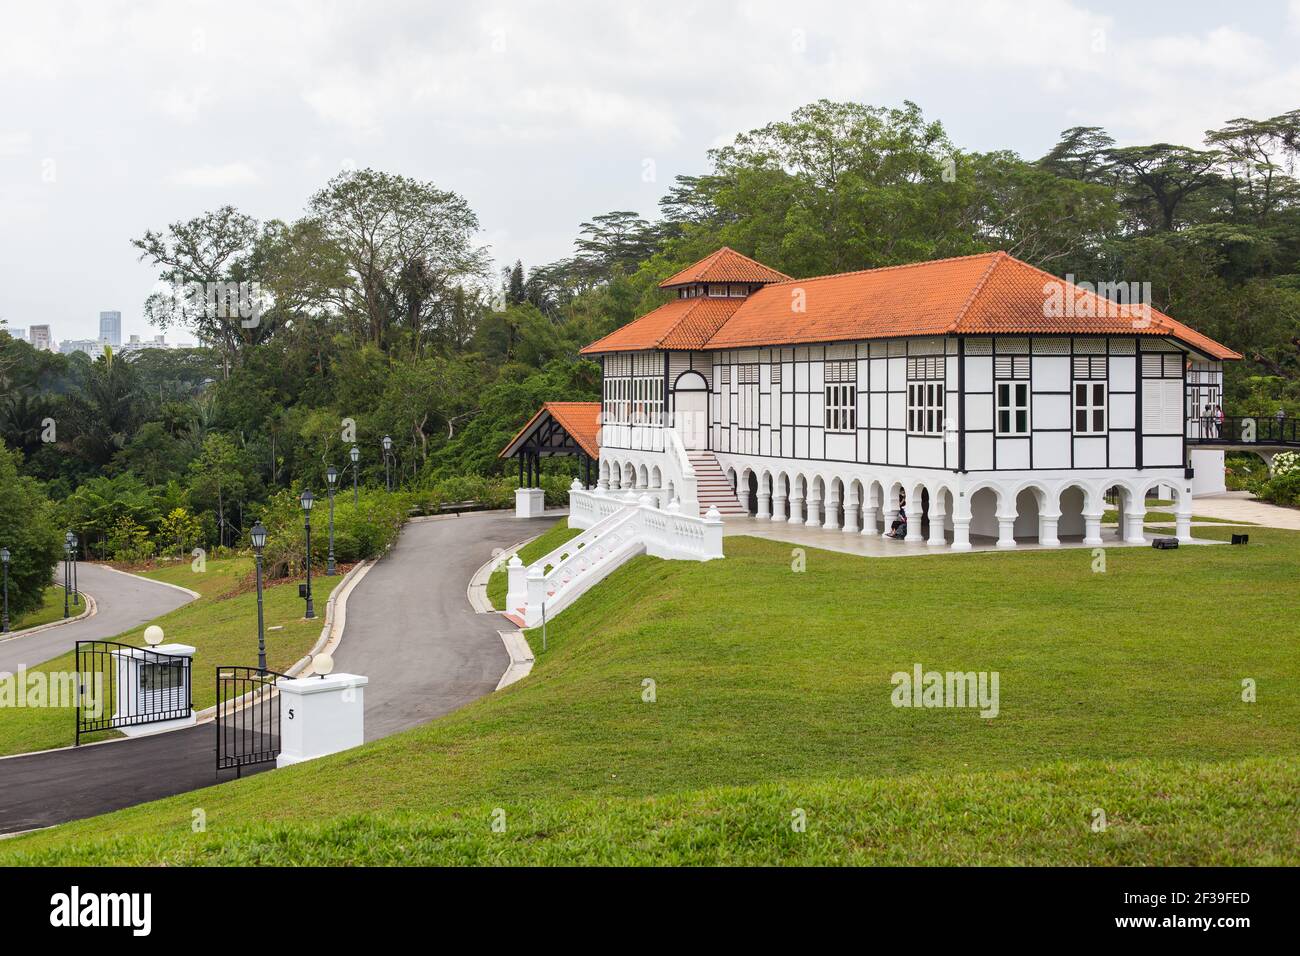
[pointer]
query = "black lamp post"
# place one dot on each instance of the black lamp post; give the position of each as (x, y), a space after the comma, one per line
(307, 500)
(76, 553)
(258, 534)
(4, 617)
(67, 574)
(331, 478)
(355, 455)
(388, 447)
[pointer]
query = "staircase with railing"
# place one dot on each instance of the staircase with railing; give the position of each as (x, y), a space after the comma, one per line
(616, 529)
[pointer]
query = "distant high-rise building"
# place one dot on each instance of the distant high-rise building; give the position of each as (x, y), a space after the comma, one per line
(110, 328)
(136, 345)
(16, 334)
(92, 347)
(40, 338)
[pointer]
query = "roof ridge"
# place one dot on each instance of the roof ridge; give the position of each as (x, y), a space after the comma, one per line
(999, 257)
(900, 265)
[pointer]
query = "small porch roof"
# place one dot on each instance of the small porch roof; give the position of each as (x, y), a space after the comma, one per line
(559, 428)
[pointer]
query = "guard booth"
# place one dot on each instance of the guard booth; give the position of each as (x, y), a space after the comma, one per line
(558, 428)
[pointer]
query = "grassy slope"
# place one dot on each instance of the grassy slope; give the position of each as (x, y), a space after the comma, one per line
(221, 625)
(1112, 673)
(51, 609)
(555, 536)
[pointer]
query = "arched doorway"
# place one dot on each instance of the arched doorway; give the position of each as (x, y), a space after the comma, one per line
(691, 410)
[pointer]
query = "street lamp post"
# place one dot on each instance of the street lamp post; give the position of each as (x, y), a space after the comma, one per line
(67, 575)
(70, 547)
(388, 447)
(4, 616)
(307, 500)
(331, 477)
(258, 534)
(355, 455)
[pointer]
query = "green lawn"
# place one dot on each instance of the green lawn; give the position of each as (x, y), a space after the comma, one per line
(221, 624)
(1119, 691)
(51, 609)
(556, 535)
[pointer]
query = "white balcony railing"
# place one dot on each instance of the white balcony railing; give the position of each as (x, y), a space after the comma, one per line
(616, 529)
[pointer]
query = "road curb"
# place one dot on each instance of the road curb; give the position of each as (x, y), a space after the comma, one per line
(521, 657)
(477, 589)
(92, 608)
(141, 577)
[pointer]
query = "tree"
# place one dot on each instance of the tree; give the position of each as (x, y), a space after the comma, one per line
(216, 477)
(1160, 177)
(28, 530)
(1082, 154)
(405, 245)
(181, 527)
(209, 280)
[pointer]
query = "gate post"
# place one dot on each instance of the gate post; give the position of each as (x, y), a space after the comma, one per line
(320, 716)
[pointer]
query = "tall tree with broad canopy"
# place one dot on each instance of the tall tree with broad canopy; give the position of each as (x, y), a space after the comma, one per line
(405, 245)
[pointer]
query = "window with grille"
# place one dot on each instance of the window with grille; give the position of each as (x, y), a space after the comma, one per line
(925, 388)
(1013, 408)
(841, 386)
(1090, 408)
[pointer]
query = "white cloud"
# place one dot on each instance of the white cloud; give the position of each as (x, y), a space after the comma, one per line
(213, 176)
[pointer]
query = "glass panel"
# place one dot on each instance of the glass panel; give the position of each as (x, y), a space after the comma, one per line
(1081, 420)
(1022, 421)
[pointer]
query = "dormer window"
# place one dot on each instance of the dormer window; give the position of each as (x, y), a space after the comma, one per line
(718, 291)
(739, 291)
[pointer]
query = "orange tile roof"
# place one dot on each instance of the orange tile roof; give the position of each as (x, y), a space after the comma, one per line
(679, 324)
(981, 294)
(725, 265)
(580, 419)
(989, 293)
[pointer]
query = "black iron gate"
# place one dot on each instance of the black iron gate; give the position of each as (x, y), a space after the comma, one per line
(118, 685)
(248, 717)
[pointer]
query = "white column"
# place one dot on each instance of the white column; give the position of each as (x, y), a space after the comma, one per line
(914, 521)
(1006, 531)
(869, 519)
(832, 514)
(778, 508)
(960, 533)
(517, 588)
(936, 527)
(814, 506)
(796, 510)
(1135, 519)
(1047, 525)
(850, 517)
(1092, 529)
(764, 506)
(1183, 525)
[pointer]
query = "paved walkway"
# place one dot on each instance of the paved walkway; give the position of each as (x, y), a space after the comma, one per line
(410, 629)
(125, 602)
(1243, 506)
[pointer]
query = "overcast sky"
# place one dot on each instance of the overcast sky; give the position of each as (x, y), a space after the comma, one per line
(117, 117)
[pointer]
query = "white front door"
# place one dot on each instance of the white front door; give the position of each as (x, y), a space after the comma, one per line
(691, 418)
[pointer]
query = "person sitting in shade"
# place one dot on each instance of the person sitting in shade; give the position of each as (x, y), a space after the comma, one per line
(898, 529)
